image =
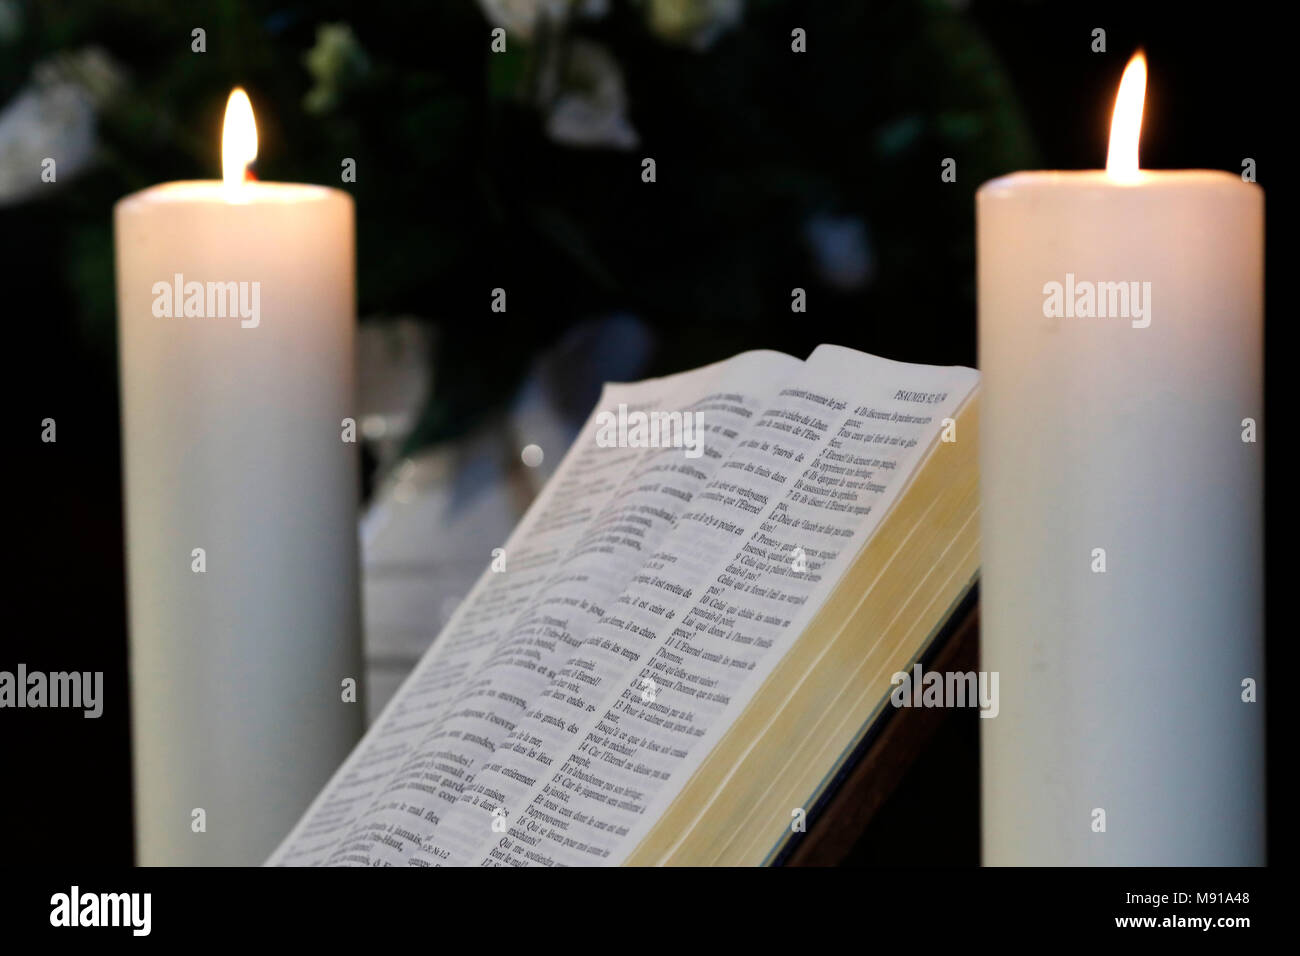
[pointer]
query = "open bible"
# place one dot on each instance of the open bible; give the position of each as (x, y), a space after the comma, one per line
(689, 632)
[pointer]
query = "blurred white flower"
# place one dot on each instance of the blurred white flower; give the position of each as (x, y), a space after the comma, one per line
(590, 108)
(841, 250)
(90, 68)
(693, 23)
(521, 17)
(54, 117)
(335, 61)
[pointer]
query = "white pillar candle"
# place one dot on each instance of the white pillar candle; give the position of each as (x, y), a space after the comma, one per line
(1119, 438)
(236, 313)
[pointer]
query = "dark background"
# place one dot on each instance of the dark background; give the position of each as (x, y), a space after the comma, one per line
(461, 189)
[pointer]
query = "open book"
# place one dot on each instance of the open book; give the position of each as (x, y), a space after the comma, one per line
(689, 631)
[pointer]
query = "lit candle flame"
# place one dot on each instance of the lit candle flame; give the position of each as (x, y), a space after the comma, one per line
(238, 138)
(1126, 121)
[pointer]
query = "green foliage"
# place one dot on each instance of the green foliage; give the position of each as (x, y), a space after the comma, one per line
(461, 189)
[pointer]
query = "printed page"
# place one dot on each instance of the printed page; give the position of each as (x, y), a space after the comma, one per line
(632, 713)
(392, 788)
(707, 410)
(582, 483)
(598, 569)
